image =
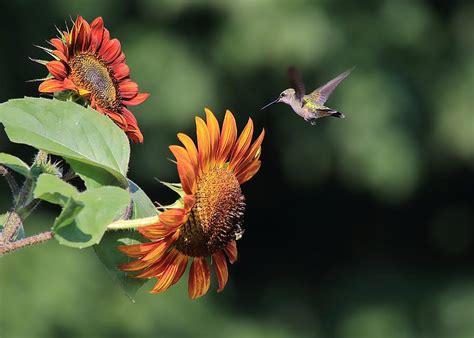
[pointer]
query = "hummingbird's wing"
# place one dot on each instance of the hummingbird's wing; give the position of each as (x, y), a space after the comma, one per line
(296, 82)
(321, 94)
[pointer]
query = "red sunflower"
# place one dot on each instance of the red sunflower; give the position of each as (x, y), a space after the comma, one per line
(92, 65)
(210, 219)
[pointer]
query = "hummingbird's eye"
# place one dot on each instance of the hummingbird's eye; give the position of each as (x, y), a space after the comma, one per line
(282, 94)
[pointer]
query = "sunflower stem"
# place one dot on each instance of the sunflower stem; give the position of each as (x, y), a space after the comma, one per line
(133, 223)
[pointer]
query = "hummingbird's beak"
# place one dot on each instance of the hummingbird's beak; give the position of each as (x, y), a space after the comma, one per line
(268, 105)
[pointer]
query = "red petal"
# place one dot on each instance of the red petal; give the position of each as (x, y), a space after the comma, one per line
(231, 251)
(110, 52)
(220, 266)
(97, 30)
(121, 71)
(199, 278)
(128, 89)
(57, 69)
(58, 44)
(140, 98)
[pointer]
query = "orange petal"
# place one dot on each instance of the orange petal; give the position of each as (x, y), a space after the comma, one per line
(160, 249)
(137, 250)
(157, 232)
(214, 132)
(172, 217)
(191, 148)
(243, 143)
(220, 266)
(252, 154)
(188, 202)
(51, 86)
(204, 147)
(180, 154)
(228, 137)
(134, 266)
(167, 277)
(157, 268)
(182, 262)
(199, 278)
(231, 251)
(249, 172)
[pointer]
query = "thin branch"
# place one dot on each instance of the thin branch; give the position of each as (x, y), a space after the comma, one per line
(10, 180)
(36, 239)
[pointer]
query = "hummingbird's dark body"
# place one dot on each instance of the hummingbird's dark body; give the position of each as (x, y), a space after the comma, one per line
(310, 107)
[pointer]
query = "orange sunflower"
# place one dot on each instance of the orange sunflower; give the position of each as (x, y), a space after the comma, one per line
(209, 221)
(92, 65)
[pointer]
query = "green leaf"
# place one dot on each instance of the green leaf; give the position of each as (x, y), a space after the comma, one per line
(142, 205)
(85, 215)
(91, 143)
(15, 164)
(111, 257)
(107, 251)
(53, 190)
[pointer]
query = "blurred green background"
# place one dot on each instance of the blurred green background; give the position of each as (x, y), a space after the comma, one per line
(355, 228)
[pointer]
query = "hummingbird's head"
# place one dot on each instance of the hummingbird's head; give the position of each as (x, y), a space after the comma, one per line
(286, 96)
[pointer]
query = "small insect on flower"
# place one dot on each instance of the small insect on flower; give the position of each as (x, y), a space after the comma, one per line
(210, 219)
(91, 65)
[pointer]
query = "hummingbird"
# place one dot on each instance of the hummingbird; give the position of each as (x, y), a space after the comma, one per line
(310, 107)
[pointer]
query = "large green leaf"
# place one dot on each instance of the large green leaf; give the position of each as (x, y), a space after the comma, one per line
(91, 143)
(85, 216)
(107, 251)
(15, 164)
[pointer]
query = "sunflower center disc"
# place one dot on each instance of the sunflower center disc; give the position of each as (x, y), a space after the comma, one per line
(90, 73)
(216, 216)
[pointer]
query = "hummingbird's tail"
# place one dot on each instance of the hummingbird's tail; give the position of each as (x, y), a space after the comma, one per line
(335, 113)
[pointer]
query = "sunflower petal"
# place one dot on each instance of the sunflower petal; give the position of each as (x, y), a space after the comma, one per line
(51, 86)
(214, 133)
(57, 69)
(228, 137)
(199, 278)
(243, 143)
(182, 262)
(203, 140)
(252, 155)
(191, 149)
(137, 250)
(220, 266)
(249, 172)
(231, 251)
